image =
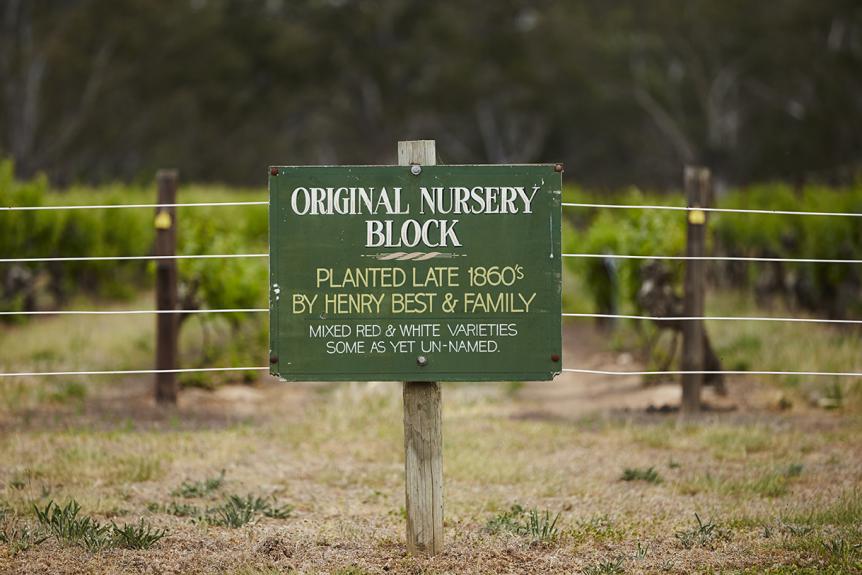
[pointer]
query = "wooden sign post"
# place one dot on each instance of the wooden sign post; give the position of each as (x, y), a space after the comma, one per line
(416, 273)
(423, 426)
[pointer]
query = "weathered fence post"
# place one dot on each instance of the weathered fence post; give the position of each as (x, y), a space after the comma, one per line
(697, 182)
(423, 426)
(167, 324)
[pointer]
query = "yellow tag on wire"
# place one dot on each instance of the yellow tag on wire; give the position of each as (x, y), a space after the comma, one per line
(163, 220)
(697, 217)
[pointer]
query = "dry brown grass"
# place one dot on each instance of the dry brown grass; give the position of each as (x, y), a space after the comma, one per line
(783, 488)
(335, 453)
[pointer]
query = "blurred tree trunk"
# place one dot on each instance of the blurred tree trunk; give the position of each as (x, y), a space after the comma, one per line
(22, 70)
(25, 52)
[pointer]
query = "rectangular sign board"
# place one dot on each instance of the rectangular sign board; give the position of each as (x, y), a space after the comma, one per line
(415, 273)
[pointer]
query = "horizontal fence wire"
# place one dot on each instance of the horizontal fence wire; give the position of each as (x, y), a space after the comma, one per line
(721, 210)
(135, 311)
(565, 369)
(131, 371)
(579, 315)
(130, 258)
(119, 206)
(598, 256)
(717, 318)
(565, 204)
(713, 258)
(575, 255)
(719, 372)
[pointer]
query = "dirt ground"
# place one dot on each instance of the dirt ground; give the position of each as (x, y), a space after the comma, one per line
(775, 483)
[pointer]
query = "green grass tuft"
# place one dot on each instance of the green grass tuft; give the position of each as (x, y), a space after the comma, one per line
(18, 536)
(606, 567)
(193, 489)
(841, 551)
(182, 509)
(237, 511)
(704, 534)
(69, 527)
(846, 511)
(598, 528)
(136, 535)
(537, 525)
(649, 474)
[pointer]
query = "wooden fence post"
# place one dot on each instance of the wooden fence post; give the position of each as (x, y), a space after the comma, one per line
(167, 324)
(423, 427)
(697, 182)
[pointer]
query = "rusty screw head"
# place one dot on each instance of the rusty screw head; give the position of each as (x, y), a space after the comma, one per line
(559, 168)
(273, 171)
(421, 361)
(555, 357)
(273, 359)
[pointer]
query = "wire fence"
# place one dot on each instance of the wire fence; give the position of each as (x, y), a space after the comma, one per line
(566, 314)
(126, 206)
(129, 258)
(712, 258)
(136, 311)
(705, 209)
(132, 371)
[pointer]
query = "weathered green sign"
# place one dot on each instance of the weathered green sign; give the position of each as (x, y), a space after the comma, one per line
(431, 273)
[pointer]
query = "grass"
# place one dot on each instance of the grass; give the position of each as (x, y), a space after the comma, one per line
(538, 526)
(703, 534)
(140, 535)
(771, 483)
(350, 570)
(597, 529)
(83, 455)
(182, 509)
(570, 467)
(842, 552)
(67, 392)
(18, 536)
(787, 346)
(193, 489)
(606, 567)
(648, 474)
(69, 343)
(737, 442)
(336, 453)
(68, 526)
(842, 511)
(776, 483)
(237, 511)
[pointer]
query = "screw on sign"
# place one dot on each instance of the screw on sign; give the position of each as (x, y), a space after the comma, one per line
(416, 273)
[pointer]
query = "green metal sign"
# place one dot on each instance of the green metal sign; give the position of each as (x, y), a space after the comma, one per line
(409, 273)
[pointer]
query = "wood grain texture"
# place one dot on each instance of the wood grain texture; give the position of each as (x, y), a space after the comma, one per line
(167, 324)
(697, 181)
(422, 152)
(423, 462)
(423, 427)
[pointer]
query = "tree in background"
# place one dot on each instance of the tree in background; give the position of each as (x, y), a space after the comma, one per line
(623, 92)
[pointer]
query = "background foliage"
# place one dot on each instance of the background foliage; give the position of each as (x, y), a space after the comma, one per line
(831, 290)
(623, 92)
